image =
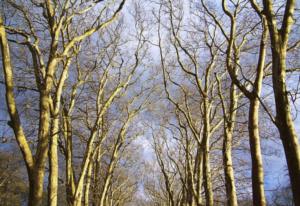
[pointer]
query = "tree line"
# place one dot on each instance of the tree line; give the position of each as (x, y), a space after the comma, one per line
(209, 86)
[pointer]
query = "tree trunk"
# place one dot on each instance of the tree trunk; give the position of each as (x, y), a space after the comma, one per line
(279, 41)
(35, 169)
(199, 166)
(285, 123)
(88, 183)
(37, 176)
(109, 174)
(228, 170)
(257, 163)
(227, 148)
(35, 189)
(86, 161)
(53, 164)
(70, 181)
(206, 160)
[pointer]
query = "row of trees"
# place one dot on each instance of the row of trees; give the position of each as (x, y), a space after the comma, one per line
(75, 89)
(215, 59)
(205, 81)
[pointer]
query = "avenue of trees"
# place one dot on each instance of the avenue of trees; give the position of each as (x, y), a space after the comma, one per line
(149, 103)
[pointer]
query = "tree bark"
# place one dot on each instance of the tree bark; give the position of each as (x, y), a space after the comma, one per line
(70, 180)
(284, 122)
(206, 160)
(53, 164)
(35, 168)
(53, 155)
(227, 149)
(199, 165)
(108, 177)
(257, 163)
(88, 184)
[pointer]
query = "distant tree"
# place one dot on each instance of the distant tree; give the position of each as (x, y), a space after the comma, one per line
(13, 186)
(282, 196)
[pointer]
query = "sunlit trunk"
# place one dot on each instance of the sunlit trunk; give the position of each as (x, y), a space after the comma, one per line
(227, 148)
(284, 121)
(36, 188)
(199, 166)
(53, 164)
(228, 170)
(206, 160)
(88, 184)
(255, 148)
(70, 181)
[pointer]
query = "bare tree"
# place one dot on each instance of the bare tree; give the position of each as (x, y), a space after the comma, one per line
(283, 121)
(59, 21)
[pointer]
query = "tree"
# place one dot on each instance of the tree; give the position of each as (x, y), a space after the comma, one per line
(59, 21)
(284, 121)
